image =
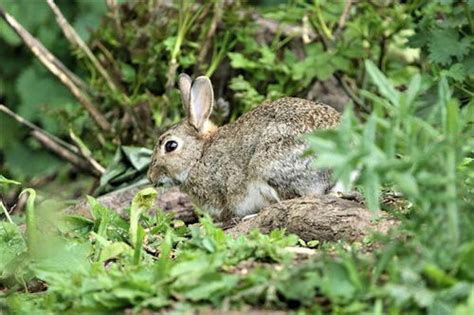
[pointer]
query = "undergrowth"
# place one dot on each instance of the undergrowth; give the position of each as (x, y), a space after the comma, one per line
(155, 262)
(410, 130)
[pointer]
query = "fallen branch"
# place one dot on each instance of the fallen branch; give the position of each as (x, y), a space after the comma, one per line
(77, 41)
(71, 81)
(65, 150)
(343, 18)
(32, 126)
(63, 153)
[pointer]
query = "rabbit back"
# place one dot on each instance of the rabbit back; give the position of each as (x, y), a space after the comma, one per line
(257, 160)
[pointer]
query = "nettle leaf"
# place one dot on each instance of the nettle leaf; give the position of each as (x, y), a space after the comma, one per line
(468, 64)
(238, 61)
(267, 56)
(456, 72)
(245, 92)
(445, 44)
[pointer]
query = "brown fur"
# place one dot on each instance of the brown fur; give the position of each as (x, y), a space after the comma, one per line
(240, 167)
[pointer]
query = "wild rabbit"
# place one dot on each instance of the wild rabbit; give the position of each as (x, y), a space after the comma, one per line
(237, 169)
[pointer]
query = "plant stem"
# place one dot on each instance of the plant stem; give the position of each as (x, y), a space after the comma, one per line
(6, 212)
(452, 208)
(31, 229)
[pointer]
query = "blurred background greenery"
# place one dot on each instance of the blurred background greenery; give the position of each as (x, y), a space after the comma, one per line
(252, 51)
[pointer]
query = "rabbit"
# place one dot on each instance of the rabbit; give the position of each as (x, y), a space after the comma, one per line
(239, 168)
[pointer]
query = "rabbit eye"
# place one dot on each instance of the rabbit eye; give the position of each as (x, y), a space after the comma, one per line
(170, 146)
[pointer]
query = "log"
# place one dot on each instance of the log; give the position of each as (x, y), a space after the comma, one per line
(323, 218)
(169, 200)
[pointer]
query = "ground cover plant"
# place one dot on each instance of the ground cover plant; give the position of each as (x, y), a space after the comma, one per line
(404, 73)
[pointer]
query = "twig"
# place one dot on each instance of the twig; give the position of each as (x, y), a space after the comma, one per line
(112, 5)
(302, 251)
(211, 32)
(71, 150)
(32, 126)
(343, 18)
(6, 212)
(86, 153)
(36, 46)
(63, 152)
(74, 84)
(286, 29)
(383, 47)
(77, 41)
(350, 93)
(110, 59)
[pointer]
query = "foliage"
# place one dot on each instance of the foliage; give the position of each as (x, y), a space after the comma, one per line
(407, 68)
(108, 264)
(27, 87)
(427, 156)
(445, 33)
(252, 54)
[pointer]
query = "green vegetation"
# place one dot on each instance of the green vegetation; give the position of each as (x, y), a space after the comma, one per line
(407, 70)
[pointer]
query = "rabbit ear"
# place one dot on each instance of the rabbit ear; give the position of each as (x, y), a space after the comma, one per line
(184, 83)
(200, 106)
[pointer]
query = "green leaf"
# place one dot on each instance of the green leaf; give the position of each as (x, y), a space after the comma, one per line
(413, 89)
(371, 184)
(139, 157)
(12, 244)
(382, 83)
(90, 17)
(212, 285)
(238, 61)
(438, 275)
(407, 183)
(445, 44)
(455, 72)
(128, 72)
(7, 34)
(114, 250)
(336, 283)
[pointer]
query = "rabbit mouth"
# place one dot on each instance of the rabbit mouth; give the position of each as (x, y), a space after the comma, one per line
(165, 181)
